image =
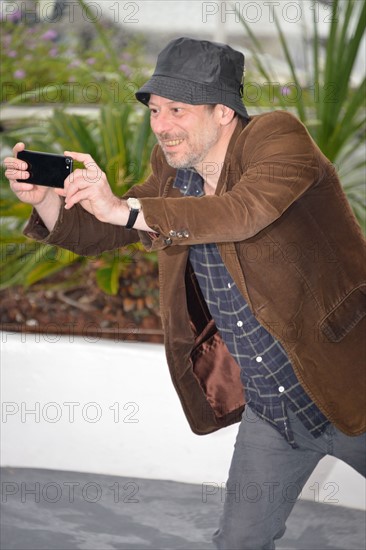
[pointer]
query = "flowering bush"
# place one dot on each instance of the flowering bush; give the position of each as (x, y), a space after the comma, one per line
(49, 63)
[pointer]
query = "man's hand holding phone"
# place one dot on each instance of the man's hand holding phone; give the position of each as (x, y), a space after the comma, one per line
(50, 177)
(87, 186)
(16, 171)
(44, 199)
(90, 188)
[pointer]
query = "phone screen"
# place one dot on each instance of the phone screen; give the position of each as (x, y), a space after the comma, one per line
(46, 169)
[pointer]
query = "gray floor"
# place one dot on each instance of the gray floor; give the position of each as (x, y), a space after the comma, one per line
(57, 510)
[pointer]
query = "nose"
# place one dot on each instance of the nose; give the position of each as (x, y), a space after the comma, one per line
(161, 123)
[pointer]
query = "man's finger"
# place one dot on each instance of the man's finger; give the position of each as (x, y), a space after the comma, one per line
(15, 175)
(20, 146)
(81, 179)
(59, 191)
(80, 195)
(16, 187)
(85, 158)
(72, 185)
(12, 163)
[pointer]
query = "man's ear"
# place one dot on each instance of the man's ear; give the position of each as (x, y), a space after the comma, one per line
(226, 114)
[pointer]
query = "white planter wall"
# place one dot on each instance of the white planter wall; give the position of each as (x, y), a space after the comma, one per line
(83, 404)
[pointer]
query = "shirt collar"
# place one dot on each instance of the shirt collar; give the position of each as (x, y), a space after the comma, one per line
(189, 182)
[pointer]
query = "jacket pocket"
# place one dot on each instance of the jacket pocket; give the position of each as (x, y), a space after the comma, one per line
(218, 375)
(345, 316)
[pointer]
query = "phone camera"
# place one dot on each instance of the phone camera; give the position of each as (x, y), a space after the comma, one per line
(67, 161)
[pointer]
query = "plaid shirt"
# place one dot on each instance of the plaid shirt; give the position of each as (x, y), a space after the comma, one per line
(270, 382)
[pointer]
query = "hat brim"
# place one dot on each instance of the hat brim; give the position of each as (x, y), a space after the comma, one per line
(193, 93)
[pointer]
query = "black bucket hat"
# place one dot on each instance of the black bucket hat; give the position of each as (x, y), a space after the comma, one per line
(198, 72)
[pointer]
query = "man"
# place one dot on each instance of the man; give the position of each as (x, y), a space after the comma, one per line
(262, 281)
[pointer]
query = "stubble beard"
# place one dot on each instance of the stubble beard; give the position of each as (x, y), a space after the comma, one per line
(188, 160)
(194, 156)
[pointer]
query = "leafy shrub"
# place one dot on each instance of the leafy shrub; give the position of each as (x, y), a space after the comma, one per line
(120, 141)
(325, 99)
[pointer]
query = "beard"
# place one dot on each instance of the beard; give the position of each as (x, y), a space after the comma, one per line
(193, 153)
(187, 160)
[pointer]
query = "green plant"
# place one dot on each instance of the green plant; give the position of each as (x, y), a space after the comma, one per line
(120, 141)
(46, 63)
(326, 101)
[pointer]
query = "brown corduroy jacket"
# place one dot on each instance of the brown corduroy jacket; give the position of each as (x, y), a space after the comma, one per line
(290, 241)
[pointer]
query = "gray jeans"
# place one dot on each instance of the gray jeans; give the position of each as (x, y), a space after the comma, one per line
(266, 476)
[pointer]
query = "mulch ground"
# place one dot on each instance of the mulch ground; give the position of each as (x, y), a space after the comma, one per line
(56, 307)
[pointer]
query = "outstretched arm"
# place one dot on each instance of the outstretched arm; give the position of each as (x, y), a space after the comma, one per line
(76, 228)
(90, 188)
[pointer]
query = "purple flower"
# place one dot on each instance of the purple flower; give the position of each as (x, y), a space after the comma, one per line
(16, 16)
(126, 69)
(74, 63)
(90, 60)
(19, 74)
(51, 34)
(53, 52)
(285, 90)
(12, 53)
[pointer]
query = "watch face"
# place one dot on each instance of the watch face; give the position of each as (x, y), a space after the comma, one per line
(134, 204)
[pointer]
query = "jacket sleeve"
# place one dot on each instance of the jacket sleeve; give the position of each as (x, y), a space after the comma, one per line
(276, 165)
(79, 231)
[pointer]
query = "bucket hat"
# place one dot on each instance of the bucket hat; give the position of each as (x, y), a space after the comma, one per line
(198, 72)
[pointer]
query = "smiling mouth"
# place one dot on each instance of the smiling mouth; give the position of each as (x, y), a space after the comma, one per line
(172, 142)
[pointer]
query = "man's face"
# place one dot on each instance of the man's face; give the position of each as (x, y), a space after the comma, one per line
(186, 133)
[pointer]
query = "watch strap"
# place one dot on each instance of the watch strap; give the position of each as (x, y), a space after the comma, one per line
(134, 212)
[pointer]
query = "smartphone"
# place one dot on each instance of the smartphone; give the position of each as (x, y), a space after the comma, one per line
(46, 169)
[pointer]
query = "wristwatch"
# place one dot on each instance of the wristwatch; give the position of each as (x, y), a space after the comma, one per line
(134, 206)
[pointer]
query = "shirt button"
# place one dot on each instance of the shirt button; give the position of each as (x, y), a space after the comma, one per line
(172, 233)
(239, 324)
(185, 234)
(168, 241)
(258, 359)
(281, 389)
